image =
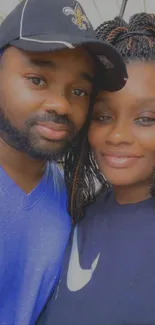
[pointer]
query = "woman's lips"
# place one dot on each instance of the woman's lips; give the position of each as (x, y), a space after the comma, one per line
(117, 161)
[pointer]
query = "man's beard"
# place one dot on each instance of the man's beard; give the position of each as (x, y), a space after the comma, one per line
(26, 141)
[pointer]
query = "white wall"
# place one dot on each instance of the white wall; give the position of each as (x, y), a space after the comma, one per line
(101, 10)
(6, 6)
(97, 10)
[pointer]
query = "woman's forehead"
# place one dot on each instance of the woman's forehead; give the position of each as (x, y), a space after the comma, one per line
(140, 84)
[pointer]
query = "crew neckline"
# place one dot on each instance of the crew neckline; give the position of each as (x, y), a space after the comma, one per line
(144, 203)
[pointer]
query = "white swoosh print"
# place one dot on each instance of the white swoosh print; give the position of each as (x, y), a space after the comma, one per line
(77, 277)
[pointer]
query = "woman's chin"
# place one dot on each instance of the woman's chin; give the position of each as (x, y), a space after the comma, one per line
(119, 179)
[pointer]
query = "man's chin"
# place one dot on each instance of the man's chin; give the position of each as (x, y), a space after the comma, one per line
(45, 154)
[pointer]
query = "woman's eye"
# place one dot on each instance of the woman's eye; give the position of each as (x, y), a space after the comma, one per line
(103, 118)
(37, 81)
(79, 92)
(145, 121)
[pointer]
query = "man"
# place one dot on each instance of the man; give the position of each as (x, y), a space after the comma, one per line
(47, 73)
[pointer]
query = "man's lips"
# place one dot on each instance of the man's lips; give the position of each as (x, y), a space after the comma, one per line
(52, 131)
(120, 159)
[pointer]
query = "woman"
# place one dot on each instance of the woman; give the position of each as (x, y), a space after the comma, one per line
(109, 269)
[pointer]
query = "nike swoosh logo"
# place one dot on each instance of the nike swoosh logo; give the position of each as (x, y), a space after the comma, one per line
(77, 278)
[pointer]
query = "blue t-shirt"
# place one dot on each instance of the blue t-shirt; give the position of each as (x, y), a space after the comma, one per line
(109, 270)
(34, 231)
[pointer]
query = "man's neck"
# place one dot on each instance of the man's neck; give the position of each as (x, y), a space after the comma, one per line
(24, 171)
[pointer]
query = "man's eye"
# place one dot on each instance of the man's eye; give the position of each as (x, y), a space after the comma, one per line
(79, 92)
(37, 81)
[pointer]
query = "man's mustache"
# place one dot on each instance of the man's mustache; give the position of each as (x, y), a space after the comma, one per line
(52, 117)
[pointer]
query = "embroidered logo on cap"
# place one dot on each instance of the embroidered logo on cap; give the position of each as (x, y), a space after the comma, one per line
(79, 18)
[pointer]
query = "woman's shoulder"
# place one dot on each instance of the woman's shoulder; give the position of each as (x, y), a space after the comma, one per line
(100, 202)
(95, 210)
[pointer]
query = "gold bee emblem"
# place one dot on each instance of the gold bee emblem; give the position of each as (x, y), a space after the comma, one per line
(79, 18)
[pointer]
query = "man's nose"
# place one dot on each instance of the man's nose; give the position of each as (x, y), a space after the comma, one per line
(58, 103)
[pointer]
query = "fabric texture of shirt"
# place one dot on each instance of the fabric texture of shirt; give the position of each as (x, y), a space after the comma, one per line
(109, 268)
(34, 231)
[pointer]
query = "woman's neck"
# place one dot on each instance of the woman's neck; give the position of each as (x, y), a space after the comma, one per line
(132, 194)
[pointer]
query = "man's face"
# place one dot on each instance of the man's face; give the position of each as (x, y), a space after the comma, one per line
(44, 99)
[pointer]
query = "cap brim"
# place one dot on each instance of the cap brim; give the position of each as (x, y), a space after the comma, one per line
(114, 78)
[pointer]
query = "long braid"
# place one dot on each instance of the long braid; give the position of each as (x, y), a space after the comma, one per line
(78, 178)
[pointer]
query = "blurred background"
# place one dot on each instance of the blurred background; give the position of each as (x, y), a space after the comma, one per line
(98, 10)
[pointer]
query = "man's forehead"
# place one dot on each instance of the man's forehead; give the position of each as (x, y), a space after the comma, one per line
(77, 61)
(77, 53)
(77, 58)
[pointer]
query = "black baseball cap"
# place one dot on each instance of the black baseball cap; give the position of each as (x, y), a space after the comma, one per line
(52, 25)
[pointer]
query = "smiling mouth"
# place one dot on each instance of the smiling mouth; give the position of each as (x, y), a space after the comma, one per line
(116, 161)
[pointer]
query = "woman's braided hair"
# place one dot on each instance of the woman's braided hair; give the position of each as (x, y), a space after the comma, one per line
(135, 41)
(80, 171)
(126, 37)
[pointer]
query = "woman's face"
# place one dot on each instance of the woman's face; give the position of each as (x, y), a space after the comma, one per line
(122, 131)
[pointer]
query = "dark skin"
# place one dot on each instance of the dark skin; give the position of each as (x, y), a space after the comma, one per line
(44, 102)
(122, 134)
